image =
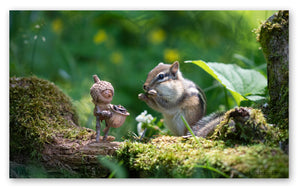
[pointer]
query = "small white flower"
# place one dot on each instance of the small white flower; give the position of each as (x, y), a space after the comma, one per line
(144, 118)
(141, 117)
(35, 37)
(43, 38)
(149, 118)
(37, 26)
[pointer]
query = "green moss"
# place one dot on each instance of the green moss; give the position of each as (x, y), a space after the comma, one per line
(243, 145)
(274, 37)
(274, 25)
(178, 157)
(245, 126)
(39, 112)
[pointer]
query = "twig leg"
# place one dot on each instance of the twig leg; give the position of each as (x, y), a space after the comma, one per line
(98, 128)
(105, 130)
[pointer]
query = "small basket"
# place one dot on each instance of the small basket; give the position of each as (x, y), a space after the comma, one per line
(119, 114)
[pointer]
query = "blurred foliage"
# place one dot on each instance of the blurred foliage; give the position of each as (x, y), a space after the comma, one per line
(68, 47)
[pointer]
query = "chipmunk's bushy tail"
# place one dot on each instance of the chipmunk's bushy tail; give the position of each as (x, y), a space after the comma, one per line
(207, 124)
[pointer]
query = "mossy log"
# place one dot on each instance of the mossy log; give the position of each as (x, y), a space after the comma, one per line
(179, 157)
(273, 36)
(44, 127)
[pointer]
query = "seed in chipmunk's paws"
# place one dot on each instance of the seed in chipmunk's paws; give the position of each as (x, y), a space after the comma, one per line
(152, 92)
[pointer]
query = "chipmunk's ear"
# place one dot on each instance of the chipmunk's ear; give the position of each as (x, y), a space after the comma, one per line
(174, 68)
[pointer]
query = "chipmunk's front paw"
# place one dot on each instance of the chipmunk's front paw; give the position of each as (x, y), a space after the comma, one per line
(143, 97)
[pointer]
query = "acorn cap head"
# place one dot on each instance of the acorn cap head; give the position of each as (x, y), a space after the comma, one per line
(102, 91)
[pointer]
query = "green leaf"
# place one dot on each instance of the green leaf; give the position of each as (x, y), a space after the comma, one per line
(240, 82)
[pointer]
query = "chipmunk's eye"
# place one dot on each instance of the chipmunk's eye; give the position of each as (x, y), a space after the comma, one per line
(161, 76)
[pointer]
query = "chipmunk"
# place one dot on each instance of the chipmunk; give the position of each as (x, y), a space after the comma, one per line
(168, 92)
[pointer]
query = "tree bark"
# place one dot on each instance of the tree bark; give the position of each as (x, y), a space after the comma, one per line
(274, 39)
(79, 157)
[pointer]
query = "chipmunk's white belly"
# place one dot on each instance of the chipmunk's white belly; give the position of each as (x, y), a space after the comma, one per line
(175, 123)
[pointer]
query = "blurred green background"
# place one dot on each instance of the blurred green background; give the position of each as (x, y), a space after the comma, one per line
(68, 47)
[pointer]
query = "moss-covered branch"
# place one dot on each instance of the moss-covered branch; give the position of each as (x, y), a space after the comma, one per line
(44, 127)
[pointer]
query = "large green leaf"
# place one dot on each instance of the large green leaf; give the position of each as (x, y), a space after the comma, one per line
(242, 83)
